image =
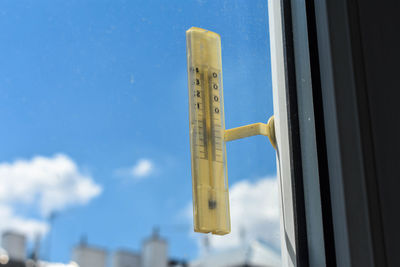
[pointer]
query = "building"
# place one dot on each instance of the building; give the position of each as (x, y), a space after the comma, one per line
(154, 252)
(256, 253)
(13, 263)
(55, 264)
(89, 256)
(14, 244)
(125, 258)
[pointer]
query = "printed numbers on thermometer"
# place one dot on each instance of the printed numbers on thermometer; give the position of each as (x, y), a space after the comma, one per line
(204, 99)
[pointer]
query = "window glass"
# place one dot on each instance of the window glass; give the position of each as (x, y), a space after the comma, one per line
(94, 140)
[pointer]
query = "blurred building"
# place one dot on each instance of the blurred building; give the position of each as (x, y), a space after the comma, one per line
(89, 256)
(13, 263)
(154, 252)
(255, 253)
(5, 261)
(55, 264)
(124, 258)
(177, 263)
(15, 245)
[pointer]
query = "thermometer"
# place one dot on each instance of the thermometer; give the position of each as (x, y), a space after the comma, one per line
(208, 134)
(207, 128)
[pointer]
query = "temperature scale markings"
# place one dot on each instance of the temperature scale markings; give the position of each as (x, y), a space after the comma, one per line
(215, 111)
(199, 107)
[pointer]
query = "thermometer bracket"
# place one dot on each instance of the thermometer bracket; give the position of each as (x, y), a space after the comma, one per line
(251, 130)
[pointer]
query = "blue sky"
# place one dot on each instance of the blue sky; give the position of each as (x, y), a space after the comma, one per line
(105, 83)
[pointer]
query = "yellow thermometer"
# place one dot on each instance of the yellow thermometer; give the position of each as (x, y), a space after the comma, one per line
(207, 127)
(208, 134)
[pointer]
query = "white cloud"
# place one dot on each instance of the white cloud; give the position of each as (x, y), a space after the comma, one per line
(254, 210)
(30, 227)
(143, 168)
(42, 184)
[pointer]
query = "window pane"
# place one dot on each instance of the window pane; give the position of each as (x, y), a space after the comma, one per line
(95, 129)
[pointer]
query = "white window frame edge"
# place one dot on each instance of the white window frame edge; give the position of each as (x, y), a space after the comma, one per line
(287, 220)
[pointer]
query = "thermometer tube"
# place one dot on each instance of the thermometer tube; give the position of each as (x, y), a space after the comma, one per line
(207, 126)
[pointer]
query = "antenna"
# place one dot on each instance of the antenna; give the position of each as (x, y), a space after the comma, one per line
(84, 240)
(53, 215)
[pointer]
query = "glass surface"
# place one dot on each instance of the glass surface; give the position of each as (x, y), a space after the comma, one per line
(94, 140)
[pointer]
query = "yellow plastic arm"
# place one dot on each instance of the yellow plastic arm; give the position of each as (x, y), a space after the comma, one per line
(251, 130)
